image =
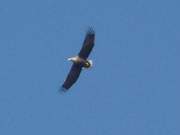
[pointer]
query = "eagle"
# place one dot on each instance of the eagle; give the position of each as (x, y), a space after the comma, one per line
(80, 61)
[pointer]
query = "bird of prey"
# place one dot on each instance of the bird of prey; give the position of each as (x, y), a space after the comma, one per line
(81, 60)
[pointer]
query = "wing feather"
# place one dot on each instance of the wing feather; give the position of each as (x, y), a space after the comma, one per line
(72, 76)
(88, 44)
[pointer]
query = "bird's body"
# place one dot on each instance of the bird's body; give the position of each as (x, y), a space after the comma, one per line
(80, 61)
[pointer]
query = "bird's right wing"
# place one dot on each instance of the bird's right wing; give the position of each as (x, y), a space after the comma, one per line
(88, 44)
(72, 76)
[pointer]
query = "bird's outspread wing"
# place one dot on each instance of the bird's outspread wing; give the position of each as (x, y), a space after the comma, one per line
(87, 44)
(72, 76)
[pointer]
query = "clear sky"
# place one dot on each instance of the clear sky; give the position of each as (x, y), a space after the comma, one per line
(132, 89)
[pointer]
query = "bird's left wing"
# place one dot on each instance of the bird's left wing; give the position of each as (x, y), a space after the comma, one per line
(72, 76)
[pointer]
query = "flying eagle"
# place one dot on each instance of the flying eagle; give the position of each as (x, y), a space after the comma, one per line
(80, 61)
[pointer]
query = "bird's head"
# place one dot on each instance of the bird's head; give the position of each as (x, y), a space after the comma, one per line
(90, 62)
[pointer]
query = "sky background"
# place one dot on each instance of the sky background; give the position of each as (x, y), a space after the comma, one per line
(133, 87)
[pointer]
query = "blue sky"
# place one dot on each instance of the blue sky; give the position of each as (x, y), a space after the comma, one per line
(133, 87)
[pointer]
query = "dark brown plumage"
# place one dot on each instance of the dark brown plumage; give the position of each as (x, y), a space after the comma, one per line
(80, 61)
(72, 76)
(88, 44)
